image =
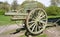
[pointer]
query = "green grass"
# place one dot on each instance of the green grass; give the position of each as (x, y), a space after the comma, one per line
(44, 35)
(53, 16)
(5, 20)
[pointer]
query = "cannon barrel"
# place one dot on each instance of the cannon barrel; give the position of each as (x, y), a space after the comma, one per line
(15, 14)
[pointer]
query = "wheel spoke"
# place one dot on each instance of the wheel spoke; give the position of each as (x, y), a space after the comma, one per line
(36, 28)
(42, 17)
(42, 22)
(31, 21)
(33, 27)
(39, 27)
(41, 13)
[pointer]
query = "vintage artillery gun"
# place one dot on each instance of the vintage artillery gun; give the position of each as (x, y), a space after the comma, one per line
(34, 17)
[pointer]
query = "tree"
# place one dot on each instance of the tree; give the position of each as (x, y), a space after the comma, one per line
(53, 10)
(4, 6)
(55, 2)
(14, 5)
(40, 5)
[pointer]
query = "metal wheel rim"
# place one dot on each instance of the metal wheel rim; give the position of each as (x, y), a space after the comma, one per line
(27, 25)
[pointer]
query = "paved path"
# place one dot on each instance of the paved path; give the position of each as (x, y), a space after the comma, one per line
(6, 30)
(53, 32)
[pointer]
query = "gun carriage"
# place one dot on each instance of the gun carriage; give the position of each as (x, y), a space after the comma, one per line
(34, 17)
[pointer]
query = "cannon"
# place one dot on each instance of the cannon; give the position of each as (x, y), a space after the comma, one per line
(33, 17)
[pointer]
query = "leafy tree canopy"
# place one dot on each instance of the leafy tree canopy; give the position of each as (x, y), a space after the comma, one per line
(53, 10)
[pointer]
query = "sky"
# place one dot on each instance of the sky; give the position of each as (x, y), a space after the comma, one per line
(45, 2)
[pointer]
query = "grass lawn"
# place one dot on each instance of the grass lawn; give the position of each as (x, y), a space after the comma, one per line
(44, 35)
(5, 20)
(53, 16)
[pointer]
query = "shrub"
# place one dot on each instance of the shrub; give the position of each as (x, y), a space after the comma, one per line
(2, 12)
(53, 10)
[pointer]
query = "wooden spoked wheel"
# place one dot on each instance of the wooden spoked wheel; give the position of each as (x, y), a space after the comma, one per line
(36, 21)
(18, 23)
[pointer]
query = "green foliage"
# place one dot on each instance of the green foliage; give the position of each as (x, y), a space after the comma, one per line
(39, 4)
(2, 12)
(44, 35)
(4, 5)
(58, 10)
(14, 5)
(53, 10)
